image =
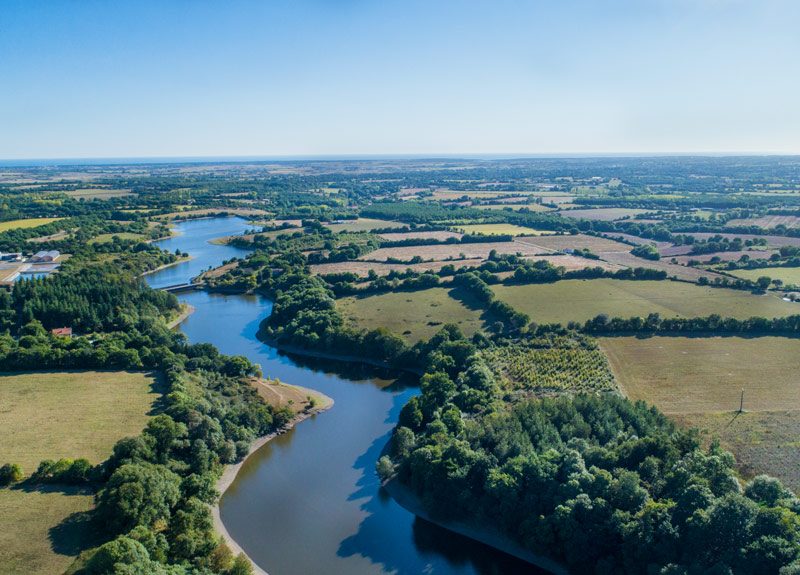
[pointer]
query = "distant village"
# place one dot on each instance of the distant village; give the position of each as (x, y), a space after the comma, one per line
(14, 266)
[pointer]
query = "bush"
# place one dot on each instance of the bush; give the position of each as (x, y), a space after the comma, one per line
(10, 473)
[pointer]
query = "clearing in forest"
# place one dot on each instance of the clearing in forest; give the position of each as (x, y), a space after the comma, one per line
(580, 300)
(413, 315)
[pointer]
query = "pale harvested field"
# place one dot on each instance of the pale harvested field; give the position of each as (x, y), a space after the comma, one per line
(435, 235)
(560, 243)
(362, 225)
(99, 193)
(602, 214)
(637, 240)
(707, 374)
(627, 259)
(670, 251)
(362, 268)
(698, 382)
(455, 251)
(767, 222)
(580, 300)
(726, 256)
(47, 415)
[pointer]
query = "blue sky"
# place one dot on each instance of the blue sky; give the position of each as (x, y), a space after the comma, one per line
(101, 78)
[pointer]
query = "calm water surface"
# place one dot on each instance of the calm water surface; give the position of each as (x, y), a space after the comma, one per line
(309, 501)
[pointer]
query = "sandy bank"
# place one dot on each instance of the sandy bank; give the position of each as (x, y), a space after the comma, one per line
(186, 311)
(323, 403)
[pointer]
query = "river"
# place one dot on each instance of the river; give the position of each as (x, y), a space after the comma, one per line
(309, 501)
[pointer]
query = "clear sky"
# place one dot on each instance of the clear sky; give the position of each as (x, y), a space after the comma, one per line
(104, 78)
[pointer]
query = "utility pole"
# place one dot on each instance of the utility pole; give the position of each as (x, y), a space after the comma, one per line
(741, 402)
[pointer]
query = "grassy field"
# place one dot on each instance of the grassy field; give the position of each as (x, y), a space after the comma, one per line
(414, 316)
(28, 223)
(789, 276)
(43, 530)
(579, 300)
(105, 238)
(47, 415)
(362, 225)
(698, 381)
(50, 415)
(499, 230)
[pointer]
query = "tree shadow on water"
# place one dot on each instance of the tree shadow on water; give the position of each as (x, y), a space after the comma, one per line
(398, 542)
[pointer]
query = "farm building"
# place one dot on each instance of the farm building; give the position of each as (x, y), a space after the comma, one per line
(45, 256)
(10, 257)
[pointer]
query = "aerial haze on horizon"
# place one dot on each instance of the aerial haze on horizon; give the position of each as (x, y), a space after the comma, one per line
(351, 77)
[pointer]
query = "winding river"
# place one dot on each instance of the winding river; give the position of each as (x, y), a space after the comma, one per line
(309, 501)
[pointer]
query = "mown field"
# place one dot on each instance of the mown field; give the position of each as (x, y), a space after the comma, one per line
(412, 315)
(789, 276)
(579, 300)
(26, 223)
(71, 414)
(699, 381)
(50, 415)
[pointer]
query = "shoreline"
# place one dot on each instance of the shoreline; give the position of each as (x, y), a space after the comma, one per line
(165, 266)
(230, 472)
(409, 501)
(186, 311)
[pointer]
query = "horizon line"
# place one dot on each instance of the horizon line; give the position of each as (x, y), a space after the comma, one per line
(205, 159)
